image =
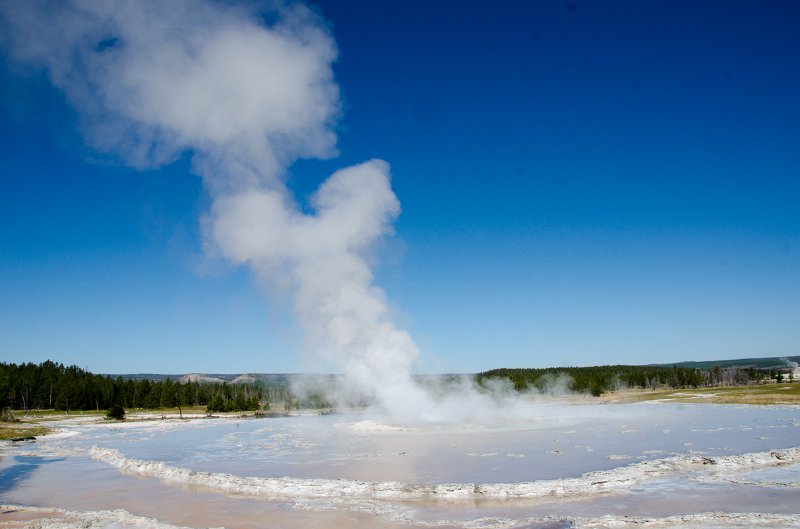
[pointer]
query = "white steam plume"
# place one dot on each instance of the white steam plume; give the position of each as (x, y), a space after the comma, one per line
(246, 97)
(790, 363)
(246, 93)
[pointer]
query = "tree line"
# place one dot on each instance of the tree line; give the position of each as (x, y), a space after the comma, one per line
(600, 379)
(54, 386)
(50, 385)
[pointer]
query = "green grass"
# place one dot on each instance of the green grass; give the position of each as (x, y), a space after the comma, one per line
(10, 430)
(45, 416)
(760, 394)
(46, 413)
(101, 413)
(168, 411)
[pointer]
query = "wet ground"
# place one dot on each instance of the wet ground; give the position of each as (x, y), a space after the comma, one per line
(560, 466)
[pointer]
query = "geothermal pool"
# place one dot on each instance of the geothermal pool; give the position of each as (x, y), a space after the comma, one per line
(556, 465)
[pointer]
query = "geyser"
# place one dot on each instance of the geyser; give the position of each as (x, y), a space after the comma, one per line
(152, 80)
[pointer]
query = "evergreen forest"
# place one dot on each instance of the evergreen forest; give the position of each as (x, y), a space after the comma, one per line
(601, 379)
(53, 386)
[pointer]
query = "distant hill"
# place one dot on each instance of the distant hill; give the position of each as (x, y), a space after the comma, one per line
(203, 379)
(160, 377)
(269, 379)
(282, 379)
(758, 363)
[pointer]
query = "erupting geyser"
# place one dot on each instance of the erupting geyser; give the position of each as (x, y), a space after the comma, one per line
(345, 316)
(152, 80)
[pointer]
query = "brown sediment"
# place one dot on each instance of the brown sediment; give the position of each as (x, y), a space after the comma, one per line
(12, 516)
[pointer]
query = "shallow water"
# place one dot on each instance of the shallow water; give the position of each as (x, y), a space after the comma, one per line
(559, 466)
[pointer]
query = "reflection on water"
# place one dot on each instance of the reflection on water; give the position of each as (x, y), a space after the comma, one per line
(316, 453)
(12, 475)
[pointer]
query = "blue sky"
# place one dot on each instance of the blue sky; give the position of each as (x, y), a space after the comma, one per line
(581, 183)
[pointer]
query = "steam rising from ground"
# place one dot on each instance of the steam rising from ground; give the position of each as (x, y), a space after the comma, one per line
(246, 93)
(442, 399)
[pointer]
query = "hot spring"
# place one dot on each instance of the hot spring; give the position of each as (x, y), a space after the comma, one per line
(556, 465)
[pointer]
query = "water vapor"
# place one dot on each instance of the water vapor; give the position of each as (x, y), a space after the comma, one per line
(246, 93)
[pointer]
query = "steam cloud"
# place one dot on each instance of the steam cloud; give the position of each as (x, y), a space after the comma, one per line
(248, 92)
(152, 80)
